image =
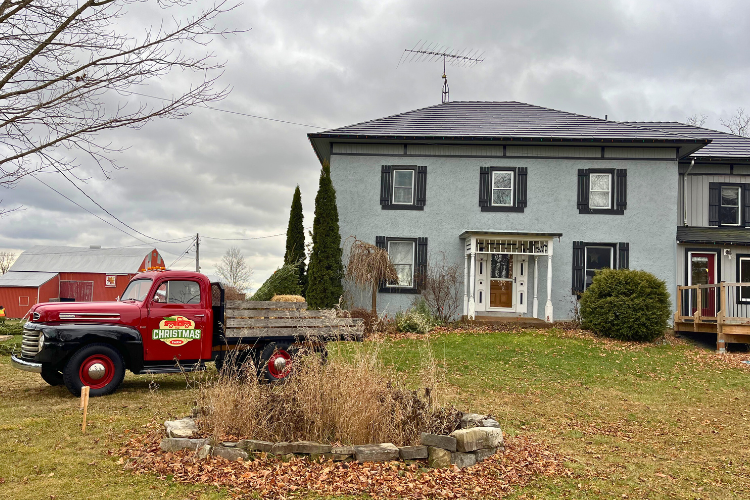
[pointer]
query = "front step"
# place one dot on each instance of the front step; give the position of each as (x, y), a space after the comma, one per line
(155, 369)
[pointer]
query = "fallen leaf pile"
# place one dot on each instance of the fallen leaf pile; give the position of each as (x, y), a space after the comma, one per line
(522, 461)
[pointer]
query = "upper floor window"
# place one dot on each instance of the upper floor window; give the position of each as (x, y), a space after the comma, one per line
(602, 191)
(403, 187)
(726, 202)
(502, 189)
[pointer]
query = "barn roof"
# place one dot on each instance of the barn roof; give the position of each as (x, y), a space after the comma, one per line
(25, 279)
(54, 259)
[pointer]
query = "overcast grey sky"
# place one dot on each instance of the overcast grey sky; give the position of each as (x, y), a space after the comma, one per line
(333, 63)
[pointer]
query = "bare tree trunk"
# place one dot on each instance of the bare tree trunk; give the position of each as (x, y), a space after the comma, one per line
(375, 298)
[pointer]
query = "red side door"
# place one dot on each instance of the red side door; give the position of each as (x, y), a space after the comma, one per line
(703, 272)
(176, 321)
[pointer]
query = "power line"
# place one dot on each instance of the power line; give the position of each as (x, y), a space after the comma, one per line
(230, 111)
(244, 239)
(184, 253)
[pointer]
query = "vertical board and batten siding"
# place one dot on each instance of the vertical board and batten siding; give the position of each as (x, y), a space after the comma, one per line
(438, 150)
(50, 290)
(101, 291)
(554, 151)
(9, 298)
(367, 149)
(698, 196)
(651, 153)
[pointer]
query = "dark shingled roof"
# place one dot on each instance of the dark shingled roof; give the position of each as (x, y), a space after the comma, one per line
(721, 235)
(500, 120)
(723, 145)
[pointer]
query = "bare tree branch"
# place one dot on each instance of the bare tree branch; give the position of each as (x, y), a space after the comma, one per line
(696, 120)
(67, 73)
(738, 123)
(234, 271)
(6, 260)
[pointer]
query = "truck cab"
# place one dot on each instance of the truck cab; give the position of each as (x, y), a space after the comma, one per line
(164, 322)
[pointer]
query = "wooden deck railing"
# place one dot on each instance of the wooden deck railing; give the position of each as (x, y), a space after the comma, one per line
(723, 308)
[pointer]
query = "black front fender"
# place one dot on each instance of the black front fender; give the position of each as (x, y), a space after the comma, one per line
(62, 340)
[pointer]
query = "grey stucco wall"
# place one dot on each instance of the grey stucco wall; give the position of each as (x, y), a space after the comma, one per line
(648, 224)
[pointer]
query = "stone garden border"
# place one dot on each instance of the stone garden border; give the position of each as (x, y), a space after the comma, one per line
(477, 438)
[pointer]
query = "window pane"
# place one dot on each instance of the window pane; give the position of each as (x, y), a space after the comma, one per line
(501, 266)
(401, 252)
(404, 274)
(502, 197)
(403, 178)
(502, 180)
(729, 215)
(598, 258)
(402, 195)
(183, 292)
(744, 277)
(699, 270)
(599, 199)
(600, 182)
(730, 196)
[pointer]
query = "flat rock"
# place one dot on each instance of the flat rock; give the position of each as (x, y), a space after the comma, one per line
(382, 452)
(477, 438)
(229, 453)
(282, 448)
(470, 420)
(438, 458)
(484, 454)
(204, 451)
(177, 444)
(310, 448)
(183, 428)
(438, 441)
(229, 444)
(255, 445)
(412, 452)
(462, 460)
(342, 450)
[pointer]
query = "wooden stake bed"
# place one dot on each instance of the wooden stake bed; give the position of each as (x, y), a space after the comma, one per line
(255, 320)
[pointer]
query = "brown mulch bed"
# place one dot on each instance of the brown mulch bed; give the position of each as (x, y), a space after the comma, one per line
(522, 461)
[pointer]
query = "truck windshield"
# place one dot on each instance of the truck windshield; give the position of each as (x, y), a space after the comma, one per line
(136, 290)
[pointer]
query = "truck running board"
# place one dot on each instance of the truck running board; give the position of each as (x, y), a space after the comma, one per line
(151, 370)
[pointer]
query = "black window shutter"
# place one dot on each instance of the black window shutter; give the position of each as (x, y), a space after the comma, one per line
(746, 205)
(583, 189)
(713, 203)
(623, 256)
(421, 259)
(421, 186)
(579, 256)
(380, 242)
(521, 188)
(621, 189)
(385, 186)
(485, 190)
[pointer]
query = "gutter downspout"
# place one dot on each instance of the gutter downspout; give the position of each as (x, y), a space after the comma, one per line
(684, 192)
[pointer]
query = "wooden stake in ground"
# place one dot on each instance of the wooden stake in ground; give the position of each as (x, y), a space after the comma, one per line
(84, 405)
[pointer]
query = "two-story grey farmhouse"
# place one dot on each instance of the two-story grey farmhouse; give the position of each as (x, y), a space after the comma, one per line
(531, 201)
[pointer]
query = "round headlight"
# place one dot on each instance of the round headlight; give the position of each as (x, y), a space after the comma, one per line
(41, 341)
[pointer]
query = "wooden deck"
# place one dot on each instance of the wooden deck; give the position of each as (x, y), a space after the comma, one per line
(722, 309)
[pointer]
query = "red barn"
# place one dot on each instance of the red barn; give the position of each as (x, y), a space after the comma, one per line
(50, 274)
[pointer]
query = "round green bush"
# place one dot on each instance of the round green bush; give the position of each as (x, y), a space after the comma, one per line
(626, 305)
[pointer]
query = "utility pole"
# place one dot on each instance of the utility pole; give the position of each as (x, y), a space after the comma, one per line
(197, 253)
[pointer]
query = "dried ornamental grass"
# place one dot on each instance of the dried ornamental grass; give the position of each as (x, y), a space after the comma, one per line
(287, 298)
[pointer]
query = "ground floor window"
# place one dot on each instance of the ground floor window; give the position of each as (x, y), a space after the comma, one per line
(590, 257)
(598, 257)
(401, 254)
(743, 277)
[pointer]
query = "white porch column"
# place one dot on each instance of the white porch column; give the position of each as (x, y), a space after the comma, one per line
(466, 285)
(472, 268)
(535, 307)
(548, 306)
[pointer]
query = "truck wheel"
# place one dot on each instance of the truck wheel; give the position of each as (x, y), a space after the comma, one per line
(234, 360)
(98, 366)
(277, 359)
(52, 376)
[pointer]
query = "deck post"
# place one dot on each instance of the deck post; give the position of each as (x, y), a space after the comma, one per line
(721, 346)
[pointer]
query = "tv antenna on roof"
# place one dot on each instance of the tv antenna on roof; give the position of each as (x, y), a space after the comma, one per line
(431, 52)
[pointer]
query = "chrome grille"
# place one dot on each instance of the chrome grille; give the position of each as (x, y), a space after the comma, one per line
(35, 317)
(30, 343)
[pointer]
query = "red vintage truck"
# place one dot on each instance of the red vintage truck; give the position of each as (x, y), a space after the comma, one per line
(164, 322)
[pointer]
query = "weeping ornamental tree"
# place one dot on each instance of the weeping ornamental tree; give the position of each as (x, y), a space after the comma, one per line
(295, 240)
(369, 265)
(326, 270)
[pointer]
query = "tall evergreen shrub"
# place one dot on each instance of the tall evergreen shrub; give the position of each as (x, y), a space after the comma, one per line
(283, 281)
(626, 304)
(326, 270)
(295, 240)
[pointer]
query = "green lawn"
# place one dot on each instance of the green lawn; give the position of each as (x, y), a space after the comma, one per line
(653, 421)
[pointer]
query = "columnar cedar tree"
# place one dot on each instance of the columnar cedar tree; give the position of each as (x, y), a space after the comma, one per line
(326, 270)
(295, 239)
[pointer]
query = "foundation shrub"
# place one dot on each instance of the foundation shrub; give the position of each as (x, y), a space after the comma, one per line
(417, 319)
(351, 399)
(626, 304)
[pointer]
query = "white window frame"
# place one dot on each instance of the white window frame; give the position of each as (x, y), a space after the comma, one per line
(413, 179)
(586, 261)
(608, 191)
(512, 189)
(413, 263)
(739, 280)
(738, 206)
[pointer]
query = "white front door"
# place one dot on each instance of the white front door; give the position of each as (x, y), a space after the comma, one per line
(500, 282)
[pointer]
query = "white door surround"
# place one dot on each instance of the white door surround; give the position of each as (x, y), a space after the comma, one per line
(480, 246)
